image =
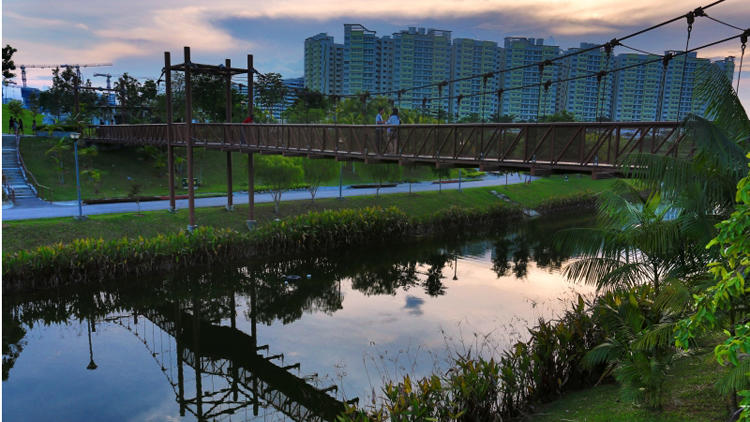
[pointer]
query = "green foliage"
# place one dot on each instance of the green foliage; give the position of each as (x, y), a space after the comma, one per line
(279, 173)
(8, 64)
(318, 171)
(15, 107)
(560, 116)
(480, 389)
(638, 241)
(92, 259)
(57, 152)
(728, 298)
(638, 348)
(271, 89)
(383, 173)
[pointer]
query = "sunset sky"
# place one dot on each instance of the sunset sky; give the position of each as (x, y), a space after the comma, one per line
(134, 34)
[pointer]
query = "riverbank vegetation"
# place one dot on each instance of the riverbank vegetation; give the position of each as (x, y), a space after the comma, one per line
(29, 234)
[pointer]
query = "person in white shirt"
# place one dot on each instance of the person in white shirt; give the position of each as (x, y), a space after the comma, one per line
(393, 120)
(379, 131)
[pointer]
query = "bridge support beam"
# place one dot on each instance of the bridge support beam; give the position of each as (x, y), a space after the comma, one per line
(189, 141)
(228, 65)
(170, 135)
(250, 165)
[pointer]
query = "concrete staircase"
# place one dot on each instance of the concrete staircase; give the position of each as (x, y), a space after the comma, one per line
(16, 183)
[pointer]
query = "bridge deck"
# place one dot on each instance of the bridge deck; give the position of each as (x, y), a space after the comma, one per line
(575, 146)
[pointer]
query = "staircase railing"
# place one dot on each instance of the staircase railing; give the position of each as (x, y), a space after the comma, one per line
(25, 171)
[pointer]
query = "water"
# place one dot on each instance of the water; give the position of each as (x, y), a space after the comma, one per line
(334, 327)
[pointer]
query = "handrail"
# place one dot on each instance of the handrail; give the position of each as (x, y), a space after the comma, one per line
(25, 171)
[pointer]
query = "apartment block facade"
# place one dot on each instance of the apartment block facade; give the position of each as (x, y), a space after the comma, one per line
(416, 57)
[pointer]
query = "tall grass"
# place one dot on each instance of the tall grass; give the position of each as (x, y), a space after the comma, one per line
(97, 260)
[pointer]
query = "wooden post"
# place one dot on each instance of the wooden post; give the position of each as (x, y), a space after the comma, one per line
(250, 164)
(170, 147)
(228, 65)
(189, 141)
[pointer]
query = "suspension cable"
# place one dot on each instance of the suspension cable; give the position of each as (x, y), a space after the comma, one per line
(690, 20)
(743, 39)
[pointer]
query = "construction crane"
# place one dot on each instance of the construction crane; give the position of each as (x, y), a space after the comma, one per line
(52, 66)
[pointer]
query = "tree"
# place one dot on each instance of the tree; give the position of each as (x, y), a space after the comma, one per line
(441, 172)
(309, 107)
(279, 173)
(8, 64)
(560, 116)
(15, 107)
(57, 153)
(271, 90)
(638, 241)
(382, 172)
(318, 171)
(128, 95)
(134, 194)
(725, 304)
(33, 104)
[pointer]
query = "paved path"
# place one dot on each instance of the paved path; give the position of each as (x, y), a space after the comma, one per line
(70, 209)
(25, 194)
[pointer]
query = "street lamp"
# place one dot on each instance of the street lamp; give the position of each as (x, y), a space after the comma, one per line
(92, 365)
(74, 136)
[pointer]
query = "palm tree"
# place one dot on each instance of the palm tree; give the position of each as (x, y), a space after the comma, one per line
(637, 241)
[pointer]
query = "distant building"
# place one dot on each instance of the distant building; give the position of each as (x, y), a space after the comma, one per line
(422, 57)
(416, 57)
(361, 59)
(587, 98)
(534, 102)
(474, 57)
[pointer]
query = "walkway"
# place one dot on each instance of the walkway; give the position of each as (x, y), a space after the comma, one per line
(70, 209)
(25, 194)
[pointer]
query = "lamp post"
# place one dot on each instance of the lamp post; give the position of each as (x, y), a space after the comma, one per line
(455, 267)
(74, 136)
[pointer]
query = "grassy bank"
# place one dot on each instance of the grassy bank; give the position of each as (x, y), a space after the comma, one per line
(690, 396)
(27, 120)
(27, 234)
(121, 167)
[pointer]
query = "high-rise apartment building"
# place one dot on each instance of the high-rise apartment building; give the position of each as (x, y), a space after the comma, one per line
(360, 59)
(469, 58)
(532, 102)
(421, 57)
(587, 98)
(324, 64)
(417, 57)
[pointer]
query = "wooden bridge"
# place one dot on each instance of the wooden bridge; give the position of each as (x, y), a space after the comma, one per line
(595, 147)
(573, 146)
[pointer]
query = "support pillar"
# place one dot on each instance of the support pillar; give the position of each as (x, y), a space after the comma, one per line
(250, 165)
(228, 65)
(170, 141)
(189, 141)
(250, 191)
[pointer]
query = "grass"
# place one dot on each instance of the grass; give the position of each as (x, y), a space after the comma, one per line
(27, 120)
(690, 396)
(121, 167)
(26, 234)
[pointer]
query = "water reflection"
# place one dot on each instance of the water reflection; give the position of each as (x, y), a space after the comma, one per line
(201, 327)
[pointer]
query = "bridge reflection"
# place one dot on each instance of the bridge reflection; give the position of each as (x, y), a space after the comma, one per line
(201, 326)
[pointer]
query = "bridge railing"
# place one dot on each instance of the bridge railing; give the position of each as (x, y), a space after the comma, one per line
(571, 144)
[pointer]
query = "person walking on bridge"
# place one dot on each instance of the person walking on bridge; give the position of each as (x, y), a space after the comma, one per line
(393, 120)
(20, 127)
(12, 125)
(379, 130)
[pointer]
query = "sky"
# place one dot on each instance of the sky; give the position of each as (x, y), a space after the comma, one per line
(133, 34)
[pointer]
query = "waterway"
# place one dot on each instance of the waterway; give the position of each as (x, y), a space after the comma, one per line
(288, 340)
